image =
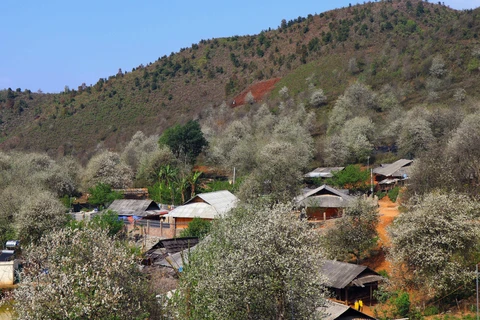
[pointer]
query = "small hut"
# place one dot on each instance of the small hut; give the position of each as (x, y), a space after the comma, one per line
(136, 209)
(337, 311)
(323, 203)
(351, 281)
(391, 175)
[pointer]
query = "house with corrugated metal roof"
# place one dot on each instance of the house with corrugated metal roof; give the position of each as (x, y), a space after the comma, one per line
(135, 208)
(391, 175)
(349, 282)
(322, 173)
(207, 206)
(323, 203)
(337, 311)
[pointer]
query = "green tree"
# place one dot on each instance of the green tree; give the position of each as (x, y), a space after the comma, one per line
(167, 175)
(197, 228)
(193, 181)
(103, 195)
(352, 178)
(259, 262)
(355, 233)
(184, 141)
(109, 221)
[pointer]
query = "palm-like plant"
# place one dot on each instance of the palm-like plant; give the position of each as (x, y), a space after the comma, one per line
(168, 174)
(192, 179)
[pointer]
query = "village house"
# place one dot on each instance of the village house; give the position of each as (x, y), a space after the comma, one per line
(322, 173)
(391, 175)
(337, 311)
(349, 282)
(207, 206)
(136, 209)
(323, 203)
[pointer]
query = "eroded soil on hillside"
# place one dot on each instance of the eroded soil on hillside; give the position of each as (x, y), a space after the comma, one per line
(259, 90)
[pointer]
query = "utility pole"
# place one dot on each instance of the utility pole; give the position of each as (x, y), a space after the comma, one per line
(234, 173)
(476, 273)
(371, 181)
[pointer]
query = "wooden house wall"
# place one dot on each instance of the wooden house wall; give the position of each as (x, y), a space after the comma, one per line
(182, 223)
(323, 213)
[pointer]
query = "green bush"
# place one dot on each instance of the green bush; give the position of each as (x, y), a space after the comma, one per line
(384, 274)
(393, 194)
(380, 195)
(473, 65)
(402, 304)
(197, 228)
(430, 311)
(103, 195)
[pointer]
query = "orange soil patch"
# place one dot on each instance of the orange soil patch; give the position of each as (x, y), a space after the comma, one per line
(388, 211)
(259, 90)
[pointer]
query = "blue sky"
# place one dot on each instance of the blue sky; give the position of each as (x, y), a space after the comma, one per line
(52, 43)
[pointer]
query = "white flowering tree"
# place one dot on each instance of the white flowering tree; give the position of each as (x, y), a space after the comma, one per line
(39, 213)
(30, 185)
(139, 147)
(463, 151)
(354, 142)
(415, 137)
(107, 167)
(318, 98)
(269, 151)
(259, 262)
(81, 274)
(434, 243)
(355, 233)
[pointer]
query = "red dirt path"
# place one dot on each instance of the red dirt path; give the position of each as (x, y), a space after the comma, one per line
(259, 90)
(388, 211)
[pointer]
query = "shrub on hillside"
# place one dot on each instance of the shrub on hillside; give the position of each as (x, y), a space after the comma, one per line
(393, 194)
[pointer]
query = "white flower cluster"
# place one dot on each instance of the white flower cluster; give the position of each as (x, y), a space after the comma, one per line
(80, 274)
(433, 244)
(259, 262)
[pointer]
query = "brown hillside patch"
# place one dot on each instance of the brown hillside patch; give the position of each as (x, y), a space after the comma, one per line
(259, 90)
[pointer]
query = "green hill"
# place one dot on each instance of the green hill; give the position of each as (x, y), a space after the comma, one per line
(389, 42)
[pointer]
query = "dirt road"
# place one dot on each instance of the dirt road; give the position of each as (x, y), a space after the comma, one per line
(388, 211)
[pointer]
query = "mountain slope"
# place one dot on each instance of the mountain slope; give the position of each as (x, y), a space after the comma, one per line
(378, 43)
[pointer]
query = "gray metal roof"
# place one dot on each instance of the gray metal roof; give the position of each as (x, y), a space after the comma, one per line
(393, 169)
(222, 200)
(175, 260)
(141, 208)
(323, 172)
(192, 210)
(324, 197)
(337, 311)
(7, 255)
(341, 274)
(206, 205)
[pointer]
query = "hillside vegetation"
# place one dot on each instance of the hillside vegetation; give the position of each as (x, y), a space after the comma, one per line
(389, 43)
